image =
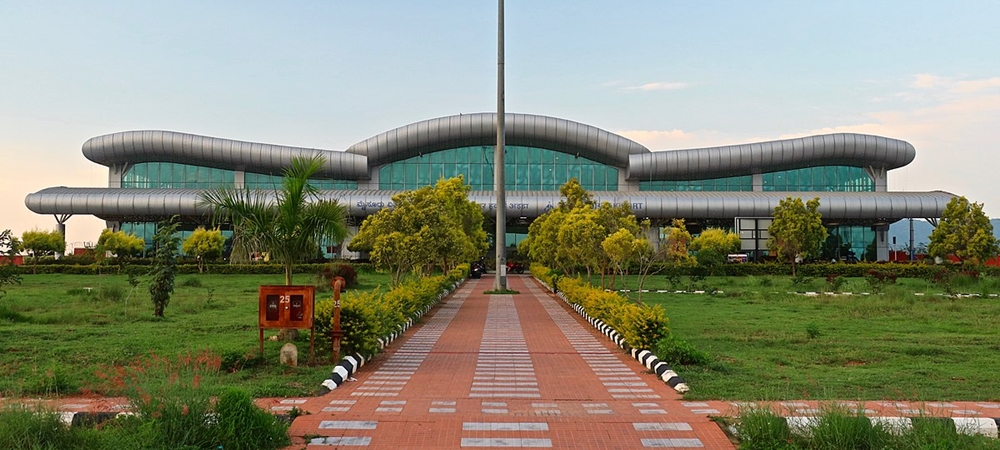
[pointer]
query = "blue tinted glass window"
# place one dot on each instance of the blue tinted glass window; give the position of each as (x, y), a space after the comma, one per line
(818, 179)
(161, 175)
(527, 168)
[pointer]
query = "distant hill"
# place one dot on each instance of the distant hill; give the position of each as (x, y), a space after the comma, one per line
(921, 232)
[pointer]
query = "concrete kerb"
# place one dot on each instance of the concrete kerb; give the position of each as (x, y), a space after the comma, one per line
(350, 364)
(646, 357)
(984, 426)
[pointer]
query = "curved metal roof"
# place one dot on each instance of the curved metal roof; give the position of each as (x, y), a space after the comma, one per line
(847, 149)
(169, 146)
(114, 204)
(480, 129)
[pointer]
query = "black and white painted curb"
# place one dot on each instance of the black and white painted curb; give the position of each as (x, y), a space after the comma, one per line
(984, 426)
(646, 357)
(350, 364)
(805, 293)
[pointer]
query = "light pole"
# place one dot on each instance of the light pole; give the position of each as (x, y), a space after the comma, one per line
(500, 282)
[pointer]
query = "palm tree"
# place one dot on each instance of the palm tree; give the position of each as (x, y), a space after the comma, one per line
(289, 225)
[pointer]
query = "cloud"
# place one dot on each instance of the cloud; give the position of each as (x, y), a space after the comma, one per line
(974, 86)
(927, 81)
(660, 86)
(953, 128)
(952, 85)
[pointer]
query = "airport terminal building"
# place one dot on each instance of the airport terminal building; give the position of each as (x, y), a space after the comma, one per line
(154, 175)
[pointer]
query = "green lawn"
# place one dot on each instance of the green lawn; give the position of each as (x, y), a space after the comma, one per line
(762, 342)
(58, 331)
(765, 343)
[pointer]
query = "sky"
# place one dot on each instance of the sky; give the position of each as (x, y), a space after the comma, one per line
(328, 74)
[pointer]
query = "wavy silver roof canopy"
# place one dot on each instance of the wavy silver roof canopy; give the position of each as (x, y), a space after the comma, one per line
(116, 203)
(466, 130)
(168, 146)
(523, 129)
(846, 149)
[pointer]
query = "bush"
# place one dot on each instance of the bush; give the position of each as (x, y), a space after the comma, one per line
(675, 352)
(22, 427)
(641, 325)
(835, 281)
(112, 293)
(170, 412)
(760, 428)
(244, 426)
(763, 429)
(839, 429)
(190, 282)
(365, 317)
(333, 270)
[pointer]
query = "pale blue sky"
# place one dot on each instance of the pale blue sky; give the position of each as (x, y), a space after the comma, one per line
(328, 74)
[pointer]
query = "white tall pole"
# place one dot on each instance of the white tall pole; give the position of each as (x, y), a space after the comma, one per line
(500, 283)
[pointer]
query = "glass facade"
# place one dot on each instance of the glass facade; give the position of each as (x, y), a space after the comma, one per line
(810, 179)
(162, 175)
(858, 240)
(273, 182)
(730, 184)
(819, 179)
(527, 169)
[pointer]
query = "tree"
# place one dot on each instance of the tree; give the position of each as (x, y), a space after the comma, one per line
(8, 272)
(569, 237)
(678, 239)
(648, 257)
(797, 230)
(42, 243)
(206, 245)
(164, 265)
(580, 238)
(434, 226)
(965, 232)
(290, 226)
(612, 219)
(713, 246)
(620, 248)
(119, 243)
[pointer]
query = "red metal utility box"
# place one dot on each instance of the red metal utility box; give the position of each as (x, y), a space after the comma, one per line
(286, 307)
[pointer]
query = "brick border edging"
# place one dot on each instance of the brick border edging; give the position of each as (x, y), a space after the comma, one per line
(646, 357)
(350, 364)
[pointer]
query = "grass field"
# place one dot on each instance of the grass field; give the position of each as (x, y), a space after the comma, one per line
(59, 331)
(763, 342)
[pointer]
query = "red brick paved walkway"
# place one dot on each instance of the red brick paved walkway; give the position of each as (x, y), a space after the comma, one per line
(513, 371)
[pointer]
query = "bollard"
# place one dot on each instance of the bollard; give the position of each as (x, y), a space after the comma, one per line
(337, 333)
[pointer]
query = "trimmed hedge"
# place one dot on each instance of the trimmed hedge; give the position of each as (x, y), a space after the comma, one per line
(642, 326)
(899, 270)
(368, 316)
(224, 269)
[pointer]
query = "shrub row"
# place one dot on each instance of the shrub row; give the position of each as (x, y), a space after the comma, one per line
(365, 317)
(224, 269)
(898, 270)
(642, 326)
